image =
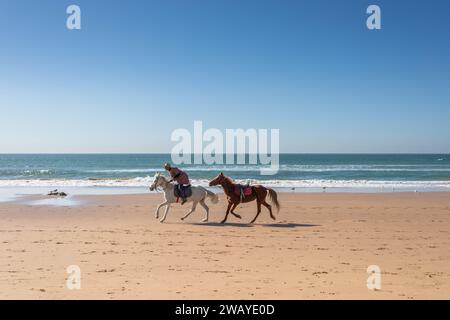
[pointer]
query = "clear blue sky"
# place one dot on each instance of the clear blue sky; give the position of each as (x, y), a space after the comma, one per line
(139, 69)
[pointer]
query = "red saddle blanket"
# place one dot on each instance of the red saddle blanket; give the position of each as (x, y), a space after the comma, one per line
(243, 190)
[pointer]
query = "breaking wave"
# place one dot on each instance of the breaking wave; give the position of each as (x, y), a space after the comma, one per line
(314, 183)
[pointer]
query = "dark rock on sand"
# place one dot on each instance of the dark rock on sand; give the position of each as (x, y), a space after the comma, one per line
(56, 193)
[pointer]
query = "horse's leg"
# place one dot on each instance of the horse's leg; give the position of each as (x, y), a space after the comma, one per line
(165, 213)
(228, 211)
(258, 205)
(232, 211)
(203, 204)
(194, 205)
(268, 206)
(159, 207)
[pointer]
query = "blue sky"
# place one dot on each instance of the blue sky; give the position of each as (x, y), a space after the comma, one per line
(139, 69)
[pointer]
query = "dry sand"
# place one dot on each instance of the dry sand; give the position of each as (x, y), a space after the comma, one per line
(319, 248)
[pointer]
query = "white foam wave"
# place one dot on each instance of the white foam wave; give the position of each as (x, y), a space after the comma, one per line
(37, 171)
(293, 168)
(314, 183)
(124, 170)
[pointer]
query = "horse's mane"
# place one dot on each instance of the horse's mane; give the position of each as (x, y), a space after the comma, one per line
(163, 177)
(228, 179)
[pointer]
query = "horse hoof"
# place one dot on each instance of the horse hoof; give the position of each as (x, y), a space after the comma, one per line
(182, 219)
(162, 220)
(238, 216)
(222, 222)
(205, 220)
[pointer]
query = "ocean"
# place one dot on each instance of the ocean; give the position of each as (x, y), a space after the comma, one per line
(299, 172)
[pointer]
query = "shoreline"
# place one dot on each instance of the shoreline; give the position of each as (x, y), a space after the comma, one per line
(77, 196)
(38, 195)
(15, 191)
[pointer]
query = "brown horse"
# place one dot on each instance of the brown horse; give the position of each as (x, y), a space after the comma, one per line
(234, 198)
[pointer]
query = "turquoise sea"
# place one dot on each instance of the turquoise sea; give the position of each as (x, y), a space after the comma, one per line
(304, 172)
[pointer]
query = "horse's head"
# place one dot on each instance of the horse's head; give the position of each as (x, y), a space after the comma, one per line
(156, 181)
(217, 180)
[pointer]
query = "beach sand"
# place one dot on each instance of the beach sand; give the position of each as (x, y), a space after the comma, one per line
(319, 247)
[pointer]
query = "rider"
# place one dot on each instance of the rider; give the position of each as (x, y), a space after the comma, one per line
(180, 177)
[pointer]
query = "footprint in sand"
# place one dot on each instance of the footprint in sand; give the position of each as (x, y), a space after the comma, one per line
(105, 270)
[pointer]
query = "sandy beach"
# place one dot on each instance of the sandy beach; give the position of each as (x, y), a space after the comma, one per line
(318, 248)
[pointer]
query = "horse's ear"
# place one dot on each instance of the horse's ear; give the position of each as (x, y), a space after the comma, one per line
(221, 173)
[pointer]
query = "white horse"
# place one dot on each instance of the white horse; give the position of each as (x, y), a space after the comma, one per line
(199, 195)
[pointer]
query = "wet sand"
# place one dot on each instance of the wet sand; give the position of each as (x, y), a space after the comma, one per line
(318, 248)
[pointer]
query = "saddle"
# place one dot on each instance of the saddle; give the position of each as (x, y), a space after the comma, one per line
(243, 190)
(182, 191)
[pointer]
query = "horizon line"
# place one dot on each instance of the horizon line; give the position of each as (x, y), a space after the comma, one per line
(168, 153)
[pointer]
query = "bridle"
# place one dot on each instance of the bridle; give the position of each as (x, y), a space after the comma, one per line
(218, 181)
(158, 185)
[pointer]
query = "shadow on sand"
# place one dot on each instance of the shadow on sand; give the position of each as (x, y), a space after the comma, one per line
(248, 225)
(289, 225)
(227, 224)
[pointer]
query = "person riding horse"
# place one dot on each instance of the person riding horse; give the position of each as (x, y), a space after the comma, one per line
(181, 178)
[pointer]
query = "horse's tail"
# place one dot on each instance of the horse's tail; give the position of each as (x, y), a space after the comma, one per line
(274, 198)
(214, 197)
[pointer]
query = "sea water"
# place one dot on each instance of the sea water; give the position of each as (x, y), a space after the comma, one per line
(133, 173)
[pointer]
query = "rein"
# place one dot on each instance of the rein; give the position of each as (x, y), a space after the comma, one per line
(166, 184)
